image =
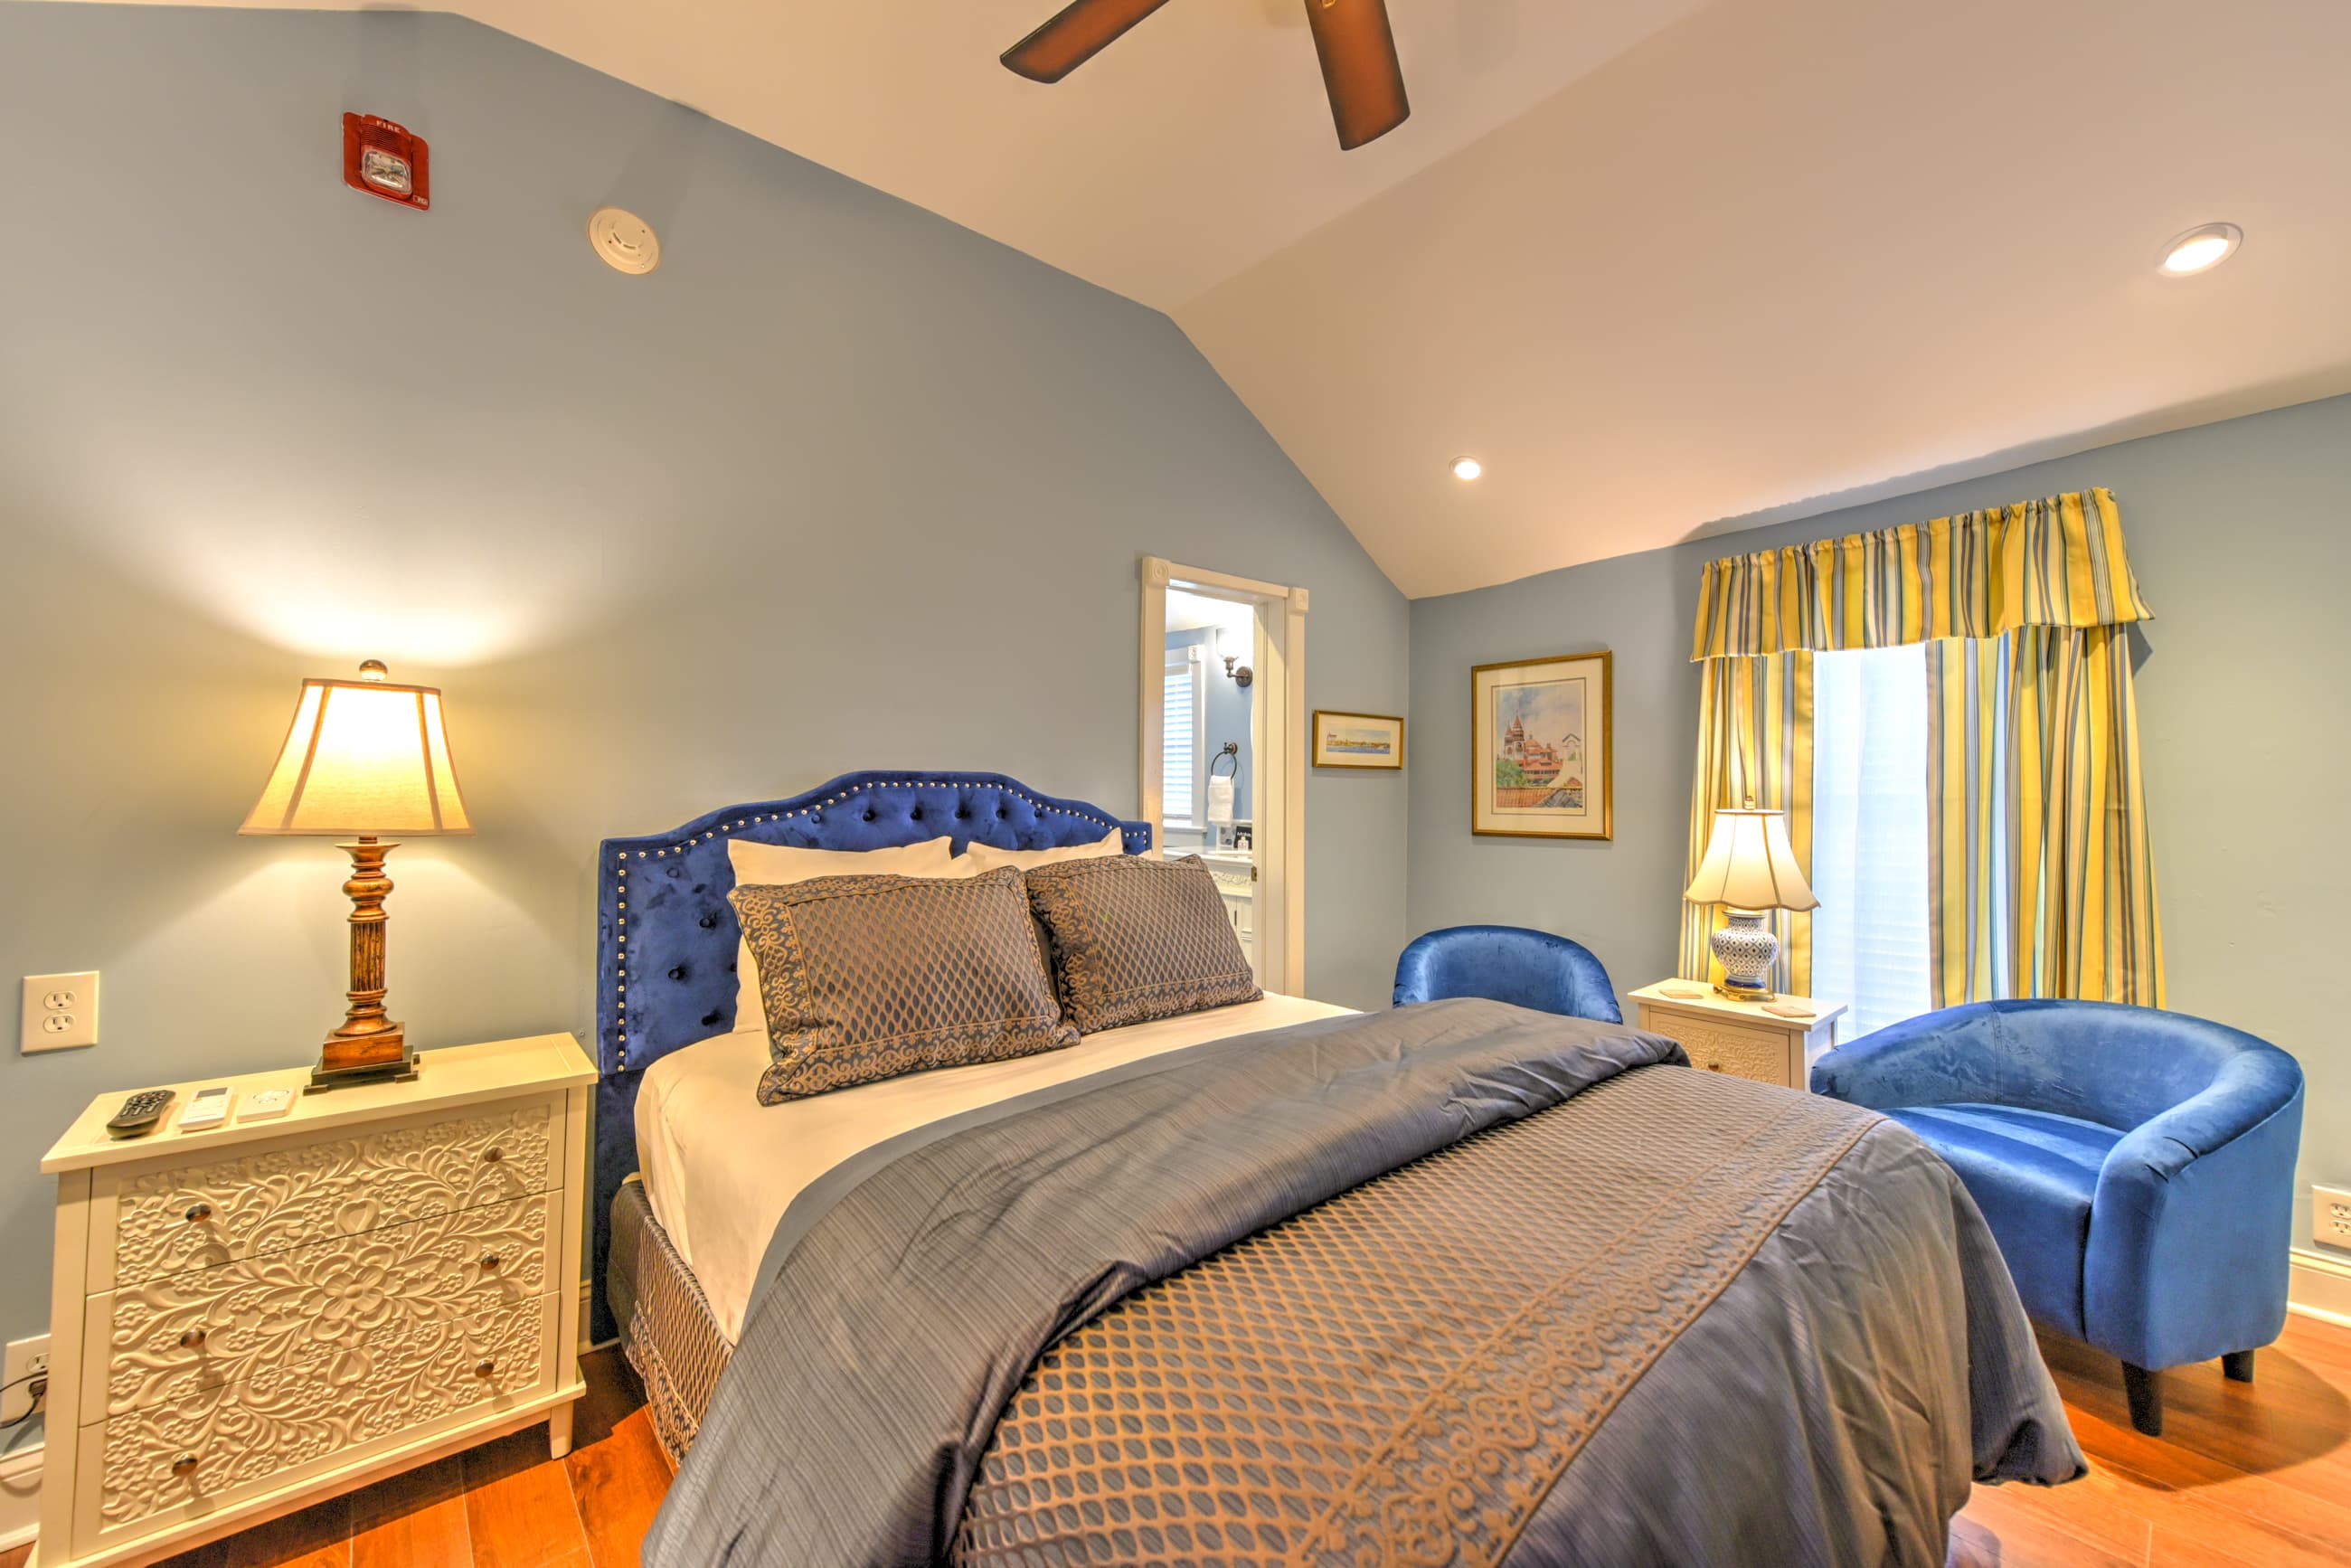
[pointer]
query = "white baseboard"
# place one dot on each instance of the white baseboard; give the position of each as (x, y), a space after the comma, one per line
(20, 1498)
(2321, 1287)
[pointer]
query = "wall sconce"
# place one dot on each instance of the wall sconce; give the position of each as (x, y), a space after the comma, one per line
(1240, 677)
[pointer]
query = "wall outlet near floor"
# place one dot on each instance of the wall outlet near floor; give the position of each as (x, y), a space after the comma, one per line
(26, 1357)
(60, 1010)
(2330, 1216)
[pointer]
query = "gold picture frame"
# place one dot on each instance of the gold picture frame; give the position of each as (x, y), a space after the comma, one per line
(1538, 766)
(1361, 741)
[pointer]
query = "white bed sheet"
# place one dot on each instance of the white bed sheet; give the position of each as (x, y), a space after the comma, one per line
(720, 1168)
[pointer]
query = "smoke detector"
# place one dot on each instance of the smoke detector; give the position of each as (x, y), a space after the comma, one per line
(625, 241)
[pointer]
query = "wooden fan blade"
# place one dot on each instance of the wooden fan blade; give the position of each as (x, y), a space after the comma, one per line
(1360, 70)
(1081, 32)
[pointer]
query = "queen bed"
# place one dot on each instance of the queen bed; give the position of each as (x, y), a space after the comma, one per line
(1262, 1282)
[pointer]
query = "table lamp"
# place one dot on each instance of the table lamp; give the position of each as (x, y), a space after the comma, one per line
(1749, 867)
(365, 758)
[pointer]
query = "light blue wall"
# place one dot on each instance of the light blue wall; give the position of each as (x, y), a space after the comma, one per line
(2240, 535)
(842, 485)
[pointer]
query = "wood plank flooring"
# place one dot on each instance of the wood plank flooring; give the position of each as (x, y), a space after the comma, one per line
(2245, 1474)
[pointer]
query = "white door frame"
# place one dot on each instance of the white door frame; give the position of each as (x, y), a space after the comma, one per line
(1278, 768)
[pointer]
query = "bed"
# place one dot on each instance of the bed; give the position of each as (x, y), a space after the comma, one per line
(1268, 1282)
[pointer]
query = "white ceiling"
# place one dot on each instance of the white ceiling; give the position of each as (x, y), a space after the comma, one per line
(1658, 263)
(1800, 248)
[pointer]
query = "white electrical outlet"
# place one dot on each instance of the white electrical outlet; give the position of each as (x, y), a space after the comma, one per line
(2330, 1216)
(60, 1010)
(26, 1357)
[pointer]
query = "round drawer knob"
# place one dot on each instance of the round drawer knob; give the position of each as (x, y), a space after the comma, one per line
(484, 1367)
(490, 1261)
(192, 1340)
(198, 1213)
(493, 1155)
(1714, 1067)
(185, 1465)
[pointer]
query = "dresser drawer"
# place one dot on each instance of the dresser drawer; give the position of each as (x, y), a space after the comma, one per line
(1760, 1054)
(187, 1457)
(284, 1195)
(311, 1307)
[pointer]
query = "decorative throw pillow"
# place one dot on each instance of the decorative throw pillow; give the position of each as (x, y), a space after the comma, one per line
(987, 857)
(869, 977)
(1136, 940)
(779, 864)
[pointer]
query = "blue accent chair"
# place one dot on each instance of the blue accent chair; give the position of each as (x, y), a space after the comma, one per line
(1507, 963)
(2136, 1166)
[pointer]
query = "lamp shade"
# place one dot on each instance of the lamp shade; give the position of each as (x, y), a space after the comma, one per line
(362, 757)
(1749, 864)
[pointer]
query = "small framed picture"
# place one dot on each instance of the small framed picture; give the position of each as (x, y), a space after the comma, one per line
(1541, 760)
(1357, 740)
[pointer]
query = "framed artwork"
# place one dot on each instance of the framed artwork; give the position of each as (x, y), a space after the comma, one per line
(1541, 762)
(1357, 740)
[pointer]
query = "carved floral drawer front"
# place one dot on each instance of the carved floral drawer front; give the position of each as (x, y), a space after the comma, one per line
(309, 1308)
(214, 1448)
(196, 1217)
(1740, 1052)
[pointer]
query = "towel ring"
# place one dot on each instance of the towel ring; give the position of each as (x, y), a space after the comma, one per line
(1229, 752)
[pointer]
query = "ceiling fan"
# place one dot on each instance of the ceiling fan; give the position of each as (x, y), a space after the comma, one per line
(1360, 70)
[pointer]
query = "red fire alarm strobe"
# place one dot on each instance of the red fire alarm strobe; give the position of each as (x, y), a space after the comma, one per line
(384, 160)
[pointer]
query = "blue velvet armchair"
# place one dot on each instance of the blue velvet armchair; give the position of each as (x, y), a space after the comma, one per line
(1507, 963)
(2136, 1166)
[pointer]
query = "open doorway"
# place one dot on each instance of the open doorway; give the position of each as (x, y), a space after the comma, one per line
(1223, 693)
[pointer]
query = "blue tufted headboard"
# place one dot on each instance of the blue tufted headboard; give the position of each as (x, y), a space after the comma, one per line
(666, 936)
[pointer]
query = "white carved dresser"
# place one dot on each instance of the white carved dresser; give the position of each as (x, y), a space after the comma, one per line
(249, 1319)
(1740, 1037)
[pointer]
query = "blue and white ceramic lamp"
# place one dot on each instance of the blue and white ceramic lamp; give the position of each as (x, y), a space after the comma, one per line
(1751, 868)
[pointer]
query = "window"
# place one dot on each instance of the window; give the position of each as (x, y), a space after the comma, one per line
(1869, 834)
(1181, 784)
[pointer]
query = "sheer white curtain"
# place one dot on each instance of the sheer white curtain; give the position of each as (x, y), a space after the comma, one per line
(1869, 835)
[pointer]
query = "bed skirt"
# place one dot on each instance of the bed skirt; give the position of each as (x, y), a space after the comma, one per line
(667, 1330)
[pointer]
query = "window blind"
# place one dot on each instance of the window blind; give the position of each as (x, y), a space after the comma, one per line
(1179, 751)
(1870, 941)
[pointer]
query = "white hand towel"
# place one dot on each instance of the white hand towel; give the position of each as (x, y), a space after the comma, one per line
(1220, 802)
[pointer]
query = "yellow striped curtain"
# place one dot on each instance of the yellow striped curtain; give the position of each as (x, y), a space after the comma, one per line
(2042, 879)
(1754, 742)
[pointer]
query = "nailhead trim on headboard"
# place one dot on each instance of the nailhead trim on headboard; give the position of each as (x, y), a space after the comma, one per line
(812, 805)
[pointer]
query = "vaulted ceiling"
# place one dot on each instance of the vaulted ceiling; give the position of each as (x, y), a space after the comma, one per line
(1662, 264)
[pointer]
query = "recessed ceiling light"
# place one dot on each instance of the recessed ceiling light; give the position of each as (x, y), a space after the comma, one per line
(1466, 469)
(2200, 249)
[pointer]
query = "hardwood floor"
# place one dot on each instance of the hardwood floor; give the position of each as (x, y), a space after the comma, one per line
(2245, 1474)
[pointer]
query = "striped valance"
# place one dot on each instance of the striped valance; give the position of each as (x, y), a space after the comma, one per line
(2053, 562)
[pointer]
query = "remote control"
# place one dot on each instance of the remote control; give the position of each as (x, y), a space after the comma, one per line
(140, 1113)
(266, 1103)
(207, 1108)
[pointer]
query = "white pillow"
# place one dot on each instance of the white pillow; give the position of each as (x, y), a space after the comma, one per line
(779, 865)
(987, 857)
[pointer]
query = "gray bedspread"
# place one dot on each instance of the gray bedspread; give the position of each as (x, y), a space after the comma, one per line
(1455, 1283)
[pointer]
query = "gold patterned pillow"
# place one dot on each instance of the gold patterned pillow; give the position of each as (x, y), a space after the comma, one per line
(1135, 939)
(869, 977)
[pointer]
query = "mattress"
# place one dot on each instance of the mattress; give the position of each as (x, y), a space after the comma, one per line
(720, 1169)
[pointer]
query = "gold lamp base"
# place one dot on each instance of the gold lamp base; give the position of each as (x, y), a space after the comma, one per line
(348, 1063)
(370, 1047)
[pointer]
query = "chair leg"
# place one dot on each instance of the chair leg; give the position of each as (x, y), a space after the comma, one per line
(2145, 1390)
(2237, 1366)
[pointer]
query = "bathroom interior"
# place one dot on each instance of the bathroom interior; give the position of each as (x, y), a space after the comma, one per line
(1207, 801)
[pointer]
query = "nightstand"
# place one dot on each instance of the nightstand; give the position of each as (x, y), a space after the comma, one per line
(1723, 1035)
(253, 1317)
